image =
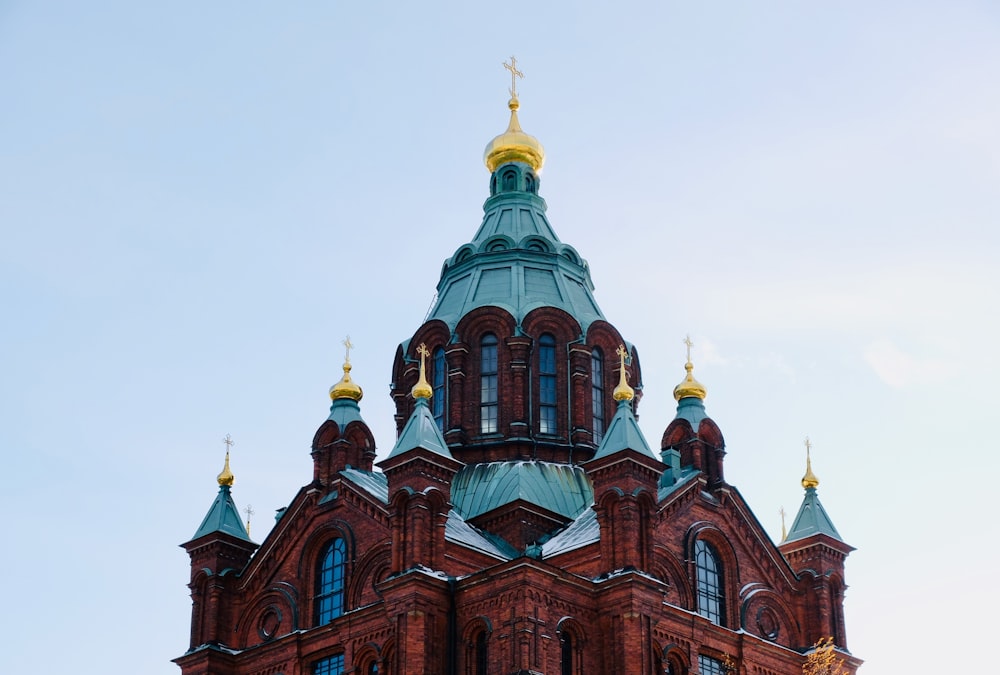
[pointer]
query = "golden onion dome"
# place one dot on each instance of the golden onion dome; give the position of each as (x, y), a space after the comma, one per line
(809, 480)
(422, 389)
(514, 145)
(622, 392)
(346, 388)
(226, 477)
(689, 386)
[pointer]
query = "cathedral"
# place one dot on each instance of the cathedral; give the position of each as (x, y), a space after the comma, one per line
(521, 523)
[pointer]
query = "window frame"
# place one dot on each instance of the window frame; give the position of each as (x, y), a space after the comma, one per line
(710, 590)
(439, 384)
(331, 582)
(548, 387)
(597, 395)
(489, 384)
(330, 665)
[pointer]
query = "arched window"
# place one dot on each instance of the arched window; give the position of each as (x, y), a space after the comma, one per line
(333, 665)
(481, 661)
(711, 596)
(547, 385)
(597, 393)
(488, 385)
(566, 653)
(372, 668)
(330, 582)
(439, 374)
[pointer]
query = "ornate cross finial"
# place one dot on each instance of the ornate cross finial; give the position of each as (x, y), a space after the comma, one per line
(228, 440)
(349, 345)
(809, 446)
(687, 341)
(784, 532)
(514, 74)
(249, 511)
(622, 354)
(422, 389)
(423, 351)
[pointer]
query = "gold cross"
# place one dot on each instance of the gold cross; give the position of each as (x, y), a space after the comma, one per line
(350, 345)
(514, 74)
(687, 341)
(422, 351)
(229, 442)
(808, 446)
(621, 354)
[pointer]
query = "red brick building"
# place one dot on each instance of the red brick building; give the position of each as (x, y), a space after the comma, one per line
(521, 523)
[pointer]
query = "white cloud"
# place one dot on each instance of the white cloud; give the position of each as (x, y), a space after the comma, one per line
(899, 369)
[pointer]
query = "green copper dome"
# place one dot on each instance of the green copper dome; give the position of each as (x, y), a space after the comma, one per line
(515, 261)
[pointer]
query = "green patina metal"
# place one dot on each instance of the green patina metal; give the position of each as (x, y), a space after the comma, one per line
(812, 519)
(516, 262)
(623, 434)
(223, 516)
(560, 488)
(692, 409)
(421, 431)
(343, 411)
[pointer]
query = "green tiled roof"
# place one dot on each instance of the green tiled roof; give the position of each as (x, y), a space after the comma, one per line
(223, 516)
(421, 431)
(692, 409)
(516, 262)
(623, 433)
(812, 519)
(561, 488)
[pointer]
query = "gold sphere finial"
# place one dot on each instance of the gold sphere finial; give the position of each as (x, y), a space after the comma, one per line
(623, 392)
(689, 386)
(514, 145)
(422, 389)
(346, 388)
(226, 477)
(809, 480)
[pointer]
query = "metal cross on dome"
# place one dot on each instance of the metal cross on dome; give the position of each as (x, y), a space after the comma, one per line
(514, 74)
(228, 440)
(349, 345)
(687, 341)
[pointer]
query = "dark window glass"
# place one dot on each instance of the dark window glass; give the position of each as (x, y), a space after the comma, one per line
(333, 665)
(566, 656)
(488, 385)
(547, 385)
(597, 393)
(711, 598)
(709, 666)
(372, 668)
(481, 661)
(439, 375)
(330, 583)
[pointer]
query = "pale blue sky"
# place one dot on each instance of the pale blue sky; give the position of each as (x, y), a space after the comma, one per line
(198, 201)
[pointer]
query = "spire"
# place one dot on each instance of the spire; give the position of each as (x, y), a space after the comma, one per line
(689, 387)
(514, 145)
(421, 431)
(623, 392)
(223, 516)
(346, 388)
(809, 480)
(422, 389)
(812, 518)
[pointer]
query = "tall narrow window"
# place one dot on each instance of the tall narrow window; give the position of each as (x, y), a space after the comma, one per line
(711, 597)
(709, 666)
(330, 582)
(439, 373)
(597, 393)
(481, 660)
(566, 654)
(488, 384)
(547, 385)
(333, 665)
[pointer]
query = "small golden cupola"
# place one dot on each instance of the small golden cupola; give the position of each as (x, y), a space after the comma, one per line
(623, 392)
(809, 480)
(422, 389)
(689, 386)
(346, 388)
(226, 477)
(514, 145)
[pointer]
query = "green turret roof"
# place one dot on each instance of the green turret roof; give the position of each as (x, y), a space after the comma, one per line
(343, 411)
(692, 409)
(223, 516)
(515, 261)
(421, 431)
(623, 434)
(812, 519)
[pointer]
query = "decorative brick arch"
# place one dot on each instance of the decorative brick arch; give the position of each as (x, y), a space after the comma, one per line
(273, 614)
(370, 569)
(728, 560)
(311, 549)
